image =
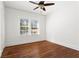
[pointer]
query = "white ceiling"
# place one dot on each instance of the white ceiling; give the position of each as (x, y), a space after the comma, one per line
(25, 5)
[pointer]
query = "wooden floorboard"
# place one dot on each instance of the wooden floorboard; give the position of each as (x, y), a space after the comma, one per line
(41, 49)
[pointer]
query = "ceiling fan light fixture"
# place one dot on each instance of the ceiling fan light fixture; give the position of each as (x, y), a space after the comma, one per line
(41, 5)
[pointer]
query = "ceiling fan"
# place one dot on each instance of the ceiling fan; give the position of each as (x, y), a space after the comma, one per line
(41, 5)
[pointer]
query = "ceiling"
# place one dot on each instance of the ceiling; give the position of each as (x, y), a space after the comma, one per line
(27, 6)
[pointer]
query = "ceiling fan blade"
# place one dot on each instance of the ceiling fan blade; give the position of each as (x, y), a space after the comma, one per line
(41, 2)
(44, 9)
(35, 8)
(33, 2)
(48, 4)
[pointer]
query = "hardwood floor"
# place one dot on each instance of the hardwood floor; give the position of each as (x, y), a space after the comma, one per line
(42, 49)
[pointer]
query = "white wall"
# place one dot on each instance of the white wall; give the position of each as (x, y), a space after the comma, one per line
(2, 29)
(13, 36)
(63, 24)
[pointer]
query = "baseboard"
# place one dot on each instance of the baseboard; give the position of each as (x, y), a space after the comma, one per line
(58, 43)
(1, 52)
(25, 43)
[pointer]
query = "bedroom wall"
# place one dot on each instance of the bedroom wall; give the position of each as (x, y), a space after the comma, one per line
(2, 28)
(62, 25)
(13, 36)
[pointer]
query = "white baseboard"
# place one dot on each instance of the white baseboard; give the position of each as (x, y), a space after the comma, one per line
(1, 52)
(59, 43)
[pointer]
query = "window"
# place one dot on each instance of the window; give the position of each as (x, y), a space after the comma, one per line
(34, 27)
(25, 28)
